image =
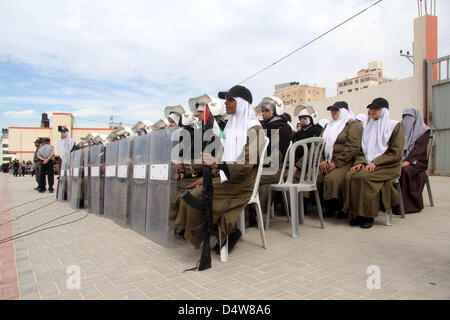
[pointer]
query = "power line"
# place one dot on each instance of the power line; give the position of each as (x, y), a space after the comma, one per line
(315, 39)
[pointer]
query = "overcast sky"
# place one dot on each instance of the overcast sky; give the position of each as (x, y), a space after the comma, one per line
(130, 59)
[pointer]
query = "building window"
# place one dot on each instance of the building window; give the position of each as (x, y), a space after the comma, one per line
(365, 87)
(309, 91)
(301, 100)
(318, 92)
(341, 92)
(309, 100)
(5, 151)
(349, 90)
(350, 82)
(300, 92)
(356, 89)
(357, 81)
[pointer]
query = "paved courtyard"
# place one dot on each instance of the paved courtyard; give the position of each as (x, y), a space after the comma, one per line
(413, 256)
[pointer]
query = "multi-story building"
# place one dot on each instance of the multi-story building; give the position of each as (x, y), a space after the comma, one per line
(21, 139)
(372, 76)
(4, 146)
(294, 93)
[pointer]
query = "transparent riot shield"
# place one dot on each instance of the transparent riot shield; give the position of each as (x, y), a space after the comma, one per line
(161, 188)
(68, 173)
(123, 187)
(110, 179)
(97, 178)
(75, 181)
(61, 191)
(85, 181)
(138, 177)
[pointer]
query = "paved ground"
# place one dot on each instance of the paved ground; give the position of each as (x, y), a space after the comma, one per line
(116, 263)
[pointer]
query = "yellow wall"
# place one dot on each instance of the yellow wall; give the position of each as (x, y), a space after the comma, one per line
(21, 139)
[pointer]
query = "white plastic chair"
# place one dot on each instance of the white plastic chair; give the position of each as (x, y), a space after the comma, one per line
(307, 182)
(254, 201)
(270, 206)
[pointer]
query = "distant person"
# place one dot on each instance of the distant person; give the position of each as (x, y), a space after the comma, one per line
(16, 168)
(65, 146)
(45, 154)
(414, 161)
(37, 162)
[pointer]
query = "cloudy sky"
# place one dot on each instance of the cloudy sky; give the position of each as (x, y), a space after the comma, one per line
(130, 59)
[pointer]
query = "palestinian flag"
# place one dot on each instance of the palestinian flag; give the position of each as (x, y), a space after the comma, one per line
(211, 123)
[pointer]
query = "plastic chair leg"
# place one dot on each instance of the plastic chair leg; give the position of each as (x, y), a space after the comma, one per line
(286, 205)
(402, 206)
(389, 217)
(319, 208)
(241, 223)
(294, 212)
(430, 195)
(301, 205)
(269, 209)
(224, 249)
(260, 224)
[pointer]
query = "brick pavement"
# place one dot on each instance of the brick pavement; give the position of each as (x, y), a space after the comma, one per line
(331, 263)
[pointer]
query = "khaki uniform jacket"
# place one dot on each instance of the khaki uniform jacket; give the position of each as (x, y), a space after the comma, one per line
(362, 188)
(346, 149)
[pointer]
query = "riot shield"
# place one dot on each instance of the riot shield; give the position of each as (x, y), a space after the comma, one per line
(110, 179)
(97, 178)
(61, 190)
(161, 188)
(139, 176)
(69, 178)
(76, 200)
(85, 180)
(123, 187)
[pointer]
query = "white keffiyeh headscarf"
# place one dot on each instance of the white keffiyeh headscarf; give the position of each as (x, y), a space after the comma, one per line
(376, 136)
(414, 128)
(350, 111)
(323, 122)
(236, 132)
(333, 129)
(363, 118)
(64, 148)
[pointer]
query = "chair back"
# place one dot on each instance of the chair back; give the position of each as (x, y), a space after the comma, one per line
(283, 168)
(311, 160)
(430, 150)
(260, 168)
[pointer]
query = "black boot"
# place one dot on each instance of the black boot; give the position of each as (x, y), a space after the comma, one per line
(367, 223)
(356, 221)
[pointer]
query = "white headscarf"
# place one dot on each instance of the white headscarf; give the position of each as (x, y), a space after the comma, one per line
(363, 118)
(64, 148)
(376, 136)
(414, 128)
(323, 122)
(236, 132)
(175, 117)
(350, 111)
(333, 129)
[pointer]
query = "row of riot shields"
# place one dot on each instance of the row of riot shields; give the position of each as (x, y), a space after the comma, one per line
(130, 181)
